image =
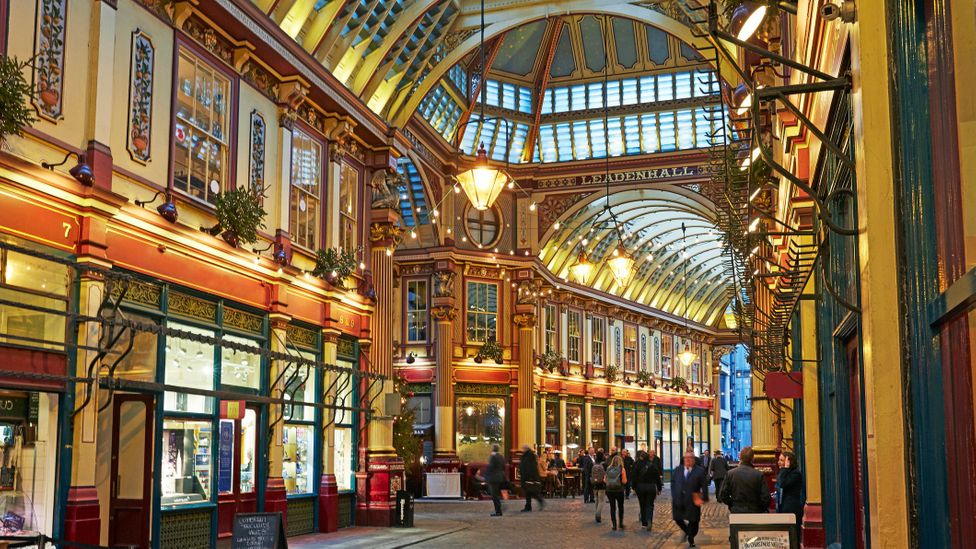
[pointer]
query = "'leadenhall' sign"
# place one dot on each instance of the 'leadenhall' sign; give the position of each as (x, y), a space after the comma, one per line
(624, 177)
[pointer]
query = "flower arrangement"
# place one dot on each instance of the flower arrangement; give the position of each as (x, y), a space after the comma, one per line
(611, 373)
(239, 215)
(679, 383)
(334, 265)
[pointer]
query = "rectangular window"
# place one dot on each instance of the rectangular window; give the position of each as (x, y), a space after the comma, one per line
(241, 368)
(598, 140)
(561, 100)
(614, 131)
(630, 91)
(306, 189)
(417, 311)
(682, 85)
(482, 311)
(598, 331)
(613, 93)
(632, 134)
(647, 92)
(344, 449)
(201, 128)
(422, 414)
(595, 91)
(33, 282)
(665, 87)
(189, 363)
(581, 140)
(649, 138)
(348, 207)
(187, 452)
(525, 100)
(508, 96)
(667, 131)
(551, 339)
(547, 102)
(579, 97)
(298, 458)
(630, 348)
(686, 129)
(574, 331)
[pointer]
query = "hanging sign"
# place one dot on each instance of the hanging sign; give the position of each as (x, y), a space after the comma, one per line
(232, 409)
(13, 407)
(258, 531)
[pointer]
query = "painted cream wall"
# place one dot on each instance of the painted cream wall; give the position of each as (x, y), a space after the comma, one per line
(251, 100)
(964, 44)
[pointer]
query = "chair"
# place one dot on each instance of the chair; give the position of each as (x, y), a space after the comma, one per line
(571, 482)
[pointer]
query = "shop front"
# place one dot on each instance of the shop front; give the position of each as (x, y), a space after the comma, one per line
(667, 437)
(630, 421)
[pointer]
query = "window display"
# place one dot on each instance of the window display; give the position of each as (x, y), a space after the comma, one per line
(299, 458)
(140, 361)
(574, 427)
(186, 461)
(240, 368)
(189, 364)
(343, 447)
(28, 460)
(249, 435)
(300, 387)
(35, 282)
(598, 427)
(343, 458)
(480, 423)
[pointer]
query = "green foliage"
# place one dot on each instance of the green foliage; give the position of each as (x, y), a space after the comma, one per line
(334, 264)
(240, 212)
(611, 373)
(679, 382)
(15, 112)
(644, 377)
(491, 349)
(550, 360)
(407, 446)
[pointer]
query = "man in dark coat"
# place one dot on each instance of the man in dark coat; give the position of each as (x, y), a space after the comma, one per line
(656, 460)
(687, 484)
(648, 484)
(629, 467)
(529, 477)
(496, 477)
(744, 489)
(717, 469)
(586, 466)
(789, 487)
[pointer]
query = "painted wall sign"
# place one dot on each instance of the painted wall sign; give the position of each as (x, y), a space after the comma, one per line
(13, 407)
(49, 47)
(140, 96)
(624, 177)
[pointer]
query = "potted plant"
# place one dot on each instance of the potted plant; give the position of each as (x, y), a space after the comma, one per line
(491, 349)
(334, 265)
(644, 378)
(550, 360)
(239, 216)
(679, 383)
(15, 113)
(611, 373)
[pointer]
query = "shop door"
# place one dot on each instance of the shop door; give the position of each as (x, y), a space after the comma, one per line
(854, 380)
(130, 511)
(236, 469)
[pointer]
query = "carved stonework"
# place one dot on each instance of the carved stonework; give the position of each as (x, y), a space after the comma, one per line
(207, 37)
(454, 39)
(524, 320)
(260, 78)
(385, 233)
(443, 313)
(554, 206)
(482, 271)
(415, 269)
(300, 336)
(256, 158)
(444, 283)
(386, 185)
(528, 291)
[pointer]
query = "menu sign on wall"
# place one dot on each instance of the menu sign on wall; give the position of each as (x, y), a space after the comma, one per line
(258, 531)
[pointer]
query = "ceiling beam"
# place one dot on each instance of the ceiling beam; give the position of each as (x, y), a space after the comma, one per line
(541, 84)
(496, 46)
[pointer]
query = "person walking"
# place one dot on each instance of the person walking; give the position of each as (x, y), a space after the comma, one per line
(717, 469)
(744, 489)
(687, 484)
(585, 463)
(598, 480)
(629, 468)
(647, 483)
(656, 460)
(530, 479)
(789, 487)
(496, 477)
(706, 463)
(616, 480)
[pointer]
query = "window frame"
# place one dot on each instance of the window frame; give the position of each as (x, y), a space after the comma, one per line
(598, 349)
(323, 184)
(233, 90)
(551, 313)
(570, 314)
(467, 310)
(630, 353)
(426, 310)
(499, 226)
(360, 213)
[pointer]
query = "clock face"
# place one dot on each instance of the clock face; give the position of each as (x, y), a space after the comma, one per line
(302, 206)
(214, 186)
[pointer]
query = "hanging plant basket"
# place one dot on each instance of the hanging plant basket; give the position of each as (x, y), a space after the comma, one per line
(334, 265)
(644, 378)
(239, 216)
(490, 350)
(679, 383)
(611, 373)
(550, 360)
(15, 91)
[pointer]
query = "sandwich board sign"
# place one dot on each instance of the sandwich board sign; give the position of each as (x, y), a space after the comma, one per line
(258, 531)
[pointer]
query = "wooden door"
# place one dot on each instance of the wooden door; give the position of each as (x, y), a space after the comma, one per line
(236, 469)
(130, 509)
(854, 381)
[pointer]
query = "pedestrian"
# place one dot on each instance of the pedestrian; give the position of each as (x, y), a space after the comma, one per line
(717, 469)
(531, 482)
(687, 484)
(616, 479)
(789, 487)
(706, 462)
(557, 462)
(496, 477)
(629, 468)
(656, 460)
(648, 484)
(585, 463)
(601, 454)
(744, 489)
(598, 480)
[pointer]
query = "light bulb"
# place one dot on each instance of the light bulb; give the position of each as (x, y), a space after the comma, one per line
(532, 207)
(413, 234)
(362, 266)
(556, 225)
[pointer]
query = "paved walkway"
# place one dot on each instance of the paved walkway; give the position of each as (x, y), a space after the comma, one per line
(564, 523)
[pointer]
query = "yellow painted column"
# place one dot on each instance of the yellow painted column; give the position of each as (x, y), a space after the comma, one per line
(542, 419)
(275, 497)
(330, 355)
(587, 414)
(877, 256)
(562, 424)
(611, 424)
(813, 511)
(525, 321)
(444, 316)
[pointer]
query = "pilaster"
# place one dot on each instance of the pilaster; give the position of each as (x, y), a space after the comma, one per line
(525, 320)
(275, 495)
(328, 487)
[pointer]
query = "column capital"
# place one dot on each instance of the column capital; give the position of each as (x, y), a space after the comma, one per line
(279, 321)
(524, 319)
(443, 313)
(385, 232)
(330, 335)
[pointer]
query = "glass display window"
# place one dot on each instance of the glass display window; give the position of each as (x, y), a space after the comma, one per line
(187, 463)
(189, 364)
(574, 428)
(236, 446)
(482, 311)
(299, 458)
(306, 189)
(598, 418)
(299, 380)
(343, 453)
(348, 207)
(140, 362)
(34, 282)
(241, 368)
(343, 437)
(28, 462)
(416, 311)
(480, 423)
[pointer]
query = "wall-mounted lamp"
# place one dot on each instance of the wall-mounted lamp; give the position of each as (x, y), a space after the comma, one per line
(167, 209)
(82, 172)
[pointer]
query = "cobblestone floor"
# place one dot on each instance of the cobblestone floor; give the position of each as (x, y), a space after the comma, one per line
(565, 523)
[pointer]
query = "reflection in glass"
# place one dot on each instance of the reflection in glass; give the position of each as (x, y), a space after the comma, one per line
(189, 364)
(241, 368)
(480, 423)
(186, 461)
(298, 460)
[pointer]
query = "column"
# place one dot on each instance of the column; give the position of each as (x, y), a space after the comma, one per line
(328, 489)
(82, 521)
(611, 426)
(103, 98)
(714, 365)
(383, 473)
(562, 424)
(542, 419)
(445, 453)
(813, 529)
(765, 442)
(525, 321)
(275, 496)
(685, 429)
(588, 429)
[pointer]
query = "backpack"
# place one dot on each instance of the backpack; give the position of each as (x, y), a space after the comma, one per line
(613, 479)
(598, 475)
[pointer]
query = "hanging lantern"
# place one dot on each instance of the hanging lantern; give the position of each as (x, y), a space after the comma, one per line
(482, 183)
(687, 356)
(621, 265)
(582, 269)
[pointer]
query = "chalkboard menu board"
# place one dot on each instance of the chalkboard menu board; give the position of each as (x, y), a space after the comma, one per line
(258, 531)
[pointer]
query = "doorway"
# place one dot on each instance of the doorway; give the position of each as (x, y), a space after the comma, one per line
(852, 353)
(130, 511)
(236, 469)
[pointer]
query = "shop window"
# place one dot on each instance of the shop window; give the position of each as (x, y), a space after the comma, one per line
(422, 411)
(299, 380)
(482, 311)
(574, 429)
(241, 368)
(28, 457)
(480, 423)
(34, 282)
(345, 420)
(630, 348)
(483, 227)
(642, 432)
(187, 454)
(417, 311)
(598, 427)
(230, 451)
(552, 340)
(189, 364)
(348, 207)
(598, 330)
(575, 327)
(299, 458)
(306, 189)
(200, 162)
(695, 372)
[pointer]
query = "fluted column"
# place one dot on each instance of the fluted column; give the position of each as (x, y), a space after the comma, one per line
(328, 488)
(587, 419)
(764, 436)
(445, 453)
(525, 320)
(562, 424)
(611, 423)
(274, 493)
